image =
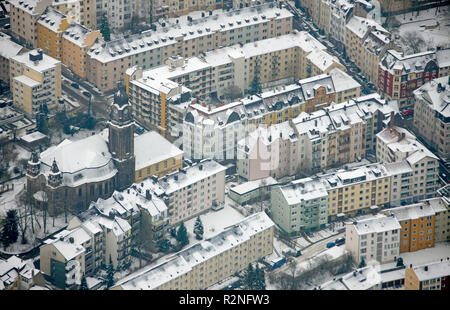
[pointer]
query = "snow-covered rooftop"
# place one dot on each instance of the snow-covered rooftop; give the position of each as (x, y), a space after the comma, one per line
(303, 190)
(27, 81)
(46, 63)
(52, 19)
(151, 148)
(76, 33)
(184, 261)
(434, 270)
(247, 187)
(9, 48)
(438, 99)
(181, 27)
(376, 224)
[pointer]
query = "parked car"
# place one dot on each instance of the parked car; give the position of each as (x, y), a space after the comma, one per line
(87, 94)
(407, 113)
(7, 26)
(339, 241)
(75, 85)
(330, 245)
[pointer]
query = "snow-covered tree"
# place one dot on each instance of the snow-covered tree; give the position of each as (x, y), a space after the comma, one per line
(182, 236)
(10, 232)
(198, 229)
(110, 274)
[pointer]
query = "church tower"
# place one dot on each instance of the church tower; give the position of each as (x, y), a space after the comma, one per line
(121, 139)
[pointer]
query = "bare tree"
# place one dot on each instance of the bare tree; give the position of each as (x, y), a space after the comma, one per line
(414, 41)
(23, 215)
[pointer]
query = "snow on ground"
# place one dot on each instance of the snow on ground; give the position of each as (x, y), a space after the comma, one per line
(17, 247)
(302, 242)
(8, 199)
(416, 24)
(280, 247)
(214, 222)
(332, 254)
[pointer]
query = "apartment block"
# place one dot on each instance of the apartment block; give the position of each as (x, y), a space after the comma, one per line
(187, 37)
(190, 191)
(252, 191)
(50, 28)
(399, 75)
(76, 41)
(209, 261)
(432, 276)
(157, 103)
(24, 15)
(373, 239)
(266, 109)
(8, 49)
(432, 115)
(35, 80)
(366, 43)
(301, 205)
(71, 8)
(273, 60)
(336, 135)
(268, 151)
(417, 221)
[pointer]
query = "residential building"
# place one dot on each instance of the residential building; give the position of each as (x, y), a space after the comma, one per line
(373, 239)
(190, 191)
(62, 259)
(50, 28)
(400, 75)
(14, 124)
(340, 13)
(252, 191)
(443, 60)
(430, 276)
(90, 240)
(269, 108)
(273, 60)
(8, 49)
(155, 156)
(209, 261)
(76, 42)
(268, 151)
(73, 9)
(301, 205)
(432, 115)
(336, 135)
(187, 37)
(35, 80)
(18, 274)
(24, 15)
(159, 104)
(365, 44)
(120, 14)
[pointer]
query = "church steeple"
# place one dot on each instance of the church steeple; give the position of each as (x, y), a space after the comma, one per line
(121, 138)
(55, 176)
(34, 165)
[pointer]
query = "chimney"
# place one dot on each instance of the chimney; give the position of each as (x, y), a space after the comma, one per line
(426, 268)
(200, 167)
(148, 196)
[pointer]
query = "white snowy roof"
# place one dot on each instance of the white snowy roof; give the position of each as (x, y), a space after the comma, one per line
(34, 136)
(360, 26)
(434, 270)
(76, 33)
(322, 59)
(303, 190)
(25, 80)
(189, 175)
(439, 101)
(411, 212)
(9, 48)
(376, 225)
(26, 5)
(184, 261)
(151, 148)
(66, 247)
(43, 65)
(82, 161)
(252, 185)
(51, 19)
(342, 81)
(220, 21)
(443, 57)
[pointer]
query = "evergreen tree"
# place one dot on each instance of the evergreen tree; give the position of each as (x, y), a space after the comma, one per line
(10, 233)
(260, 283)
(110, 274)
(198, 229)
(163, 245)
(249, 278)
(255, 87)
(84, 286)
(104, 28)
(173, 232)
(182, 236)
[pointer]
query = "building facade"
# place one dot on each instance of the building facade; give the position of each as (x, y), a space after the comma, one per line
(432, 115)
(8, 49)
(35, 80)
(373, 239)
(431, 276)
